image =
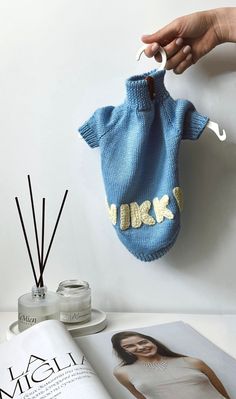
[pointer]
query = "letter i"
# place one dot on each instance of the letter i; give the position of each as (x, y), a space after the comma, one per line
(124, 217)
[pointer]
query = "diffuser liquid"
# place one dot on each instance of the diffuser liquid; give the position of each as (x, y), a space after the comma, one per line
(37, 306)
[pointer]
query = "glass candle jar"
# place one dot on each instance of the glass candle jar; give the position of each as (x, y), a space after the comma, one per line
(75, 301)
(37, 306)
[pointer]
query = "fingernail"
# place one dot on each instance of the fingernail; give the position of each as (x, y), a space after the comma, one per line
(179, 41)
(189, 56)
(144, 37)
(177, 71)
(186, 49)
(155, 47)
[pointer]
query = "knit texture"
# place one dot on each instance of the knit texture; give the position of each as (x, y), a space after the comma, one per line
(139, 144)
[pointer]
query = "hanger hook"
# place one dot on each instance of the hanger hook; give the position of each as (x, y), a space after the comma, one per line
(161, 50)
(215, 128)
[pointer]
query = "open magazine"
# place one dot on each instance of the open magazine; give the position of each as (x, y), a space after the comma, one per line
(45, 362)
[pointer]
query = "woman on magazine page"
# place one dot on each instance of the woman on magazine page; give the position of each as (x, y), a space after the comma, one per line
(149, 370)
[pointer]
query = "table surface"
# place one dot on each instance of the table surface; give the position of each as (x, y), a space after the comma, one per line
(220, 329)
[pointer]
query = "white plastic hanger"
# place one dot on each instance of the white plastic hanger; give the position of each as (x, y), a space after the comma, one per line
(163, 56)
(215, 128)
(211, 125)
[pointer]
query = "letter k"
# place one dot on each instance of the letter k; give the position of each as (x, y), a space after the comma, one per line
(160, 208)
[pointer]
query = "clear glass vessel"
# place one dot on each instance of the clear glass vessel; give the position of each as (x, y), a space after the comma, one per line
(75, 301)
(37, 306)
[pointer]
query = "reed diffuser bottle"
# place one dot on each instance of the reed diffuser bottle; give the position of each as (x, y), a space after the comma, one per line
(40, 304)
(37, 306)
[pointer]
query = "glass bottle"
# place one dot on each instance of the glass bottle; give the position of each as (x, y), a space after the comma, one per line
(37, 306)
(75, 301)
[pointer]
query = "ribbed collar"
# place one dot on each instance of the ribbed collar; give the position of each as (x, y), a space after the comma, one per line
(137, 90)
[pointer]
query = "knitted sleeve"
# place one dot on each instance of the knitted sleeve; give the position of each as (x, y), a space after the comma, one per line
(188, 121)
(97, 125)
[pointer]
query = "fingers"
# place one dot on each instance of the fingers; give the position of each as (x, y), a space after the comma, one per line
(164, 35)
(178, 57)
(151, 50)
(186, 63)
(170, 49)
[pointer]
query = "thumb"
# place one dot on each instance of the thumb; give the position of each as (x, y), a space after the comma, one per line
(164, 35)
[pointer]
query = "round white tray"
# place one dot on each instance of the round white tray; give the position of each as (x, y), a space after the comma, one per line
(97, 323)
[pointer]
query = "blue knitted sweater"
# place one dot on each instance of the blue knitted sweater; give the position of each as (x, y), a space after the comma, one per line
(139, 144)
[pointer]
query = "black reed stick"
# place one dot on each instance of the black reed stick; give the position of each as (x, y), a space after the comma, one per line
(34, 218)
(53, 234)
(42, 241)
(26, 239)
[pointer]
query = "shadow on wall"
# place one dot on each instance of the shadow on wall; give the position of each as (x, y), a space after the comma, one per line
(218, 64)
(208, 178)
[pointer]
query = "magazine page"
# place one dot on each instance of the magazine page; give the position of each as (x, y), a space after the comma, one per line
(44, 362)
(193, 368)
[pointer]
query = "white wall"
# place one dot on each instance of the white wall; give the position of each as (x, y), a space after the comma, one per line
(62, 59)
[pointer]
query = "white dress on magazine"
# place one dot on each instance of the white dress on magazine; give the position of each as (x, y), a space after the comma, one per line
(171, 379)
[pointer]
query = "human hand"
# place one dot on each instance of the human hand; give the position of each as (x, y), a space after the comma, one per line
(186, 39)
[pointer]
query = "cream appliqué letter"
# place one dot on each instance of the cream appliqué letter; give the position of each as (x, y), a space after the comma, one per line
(135, 215)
